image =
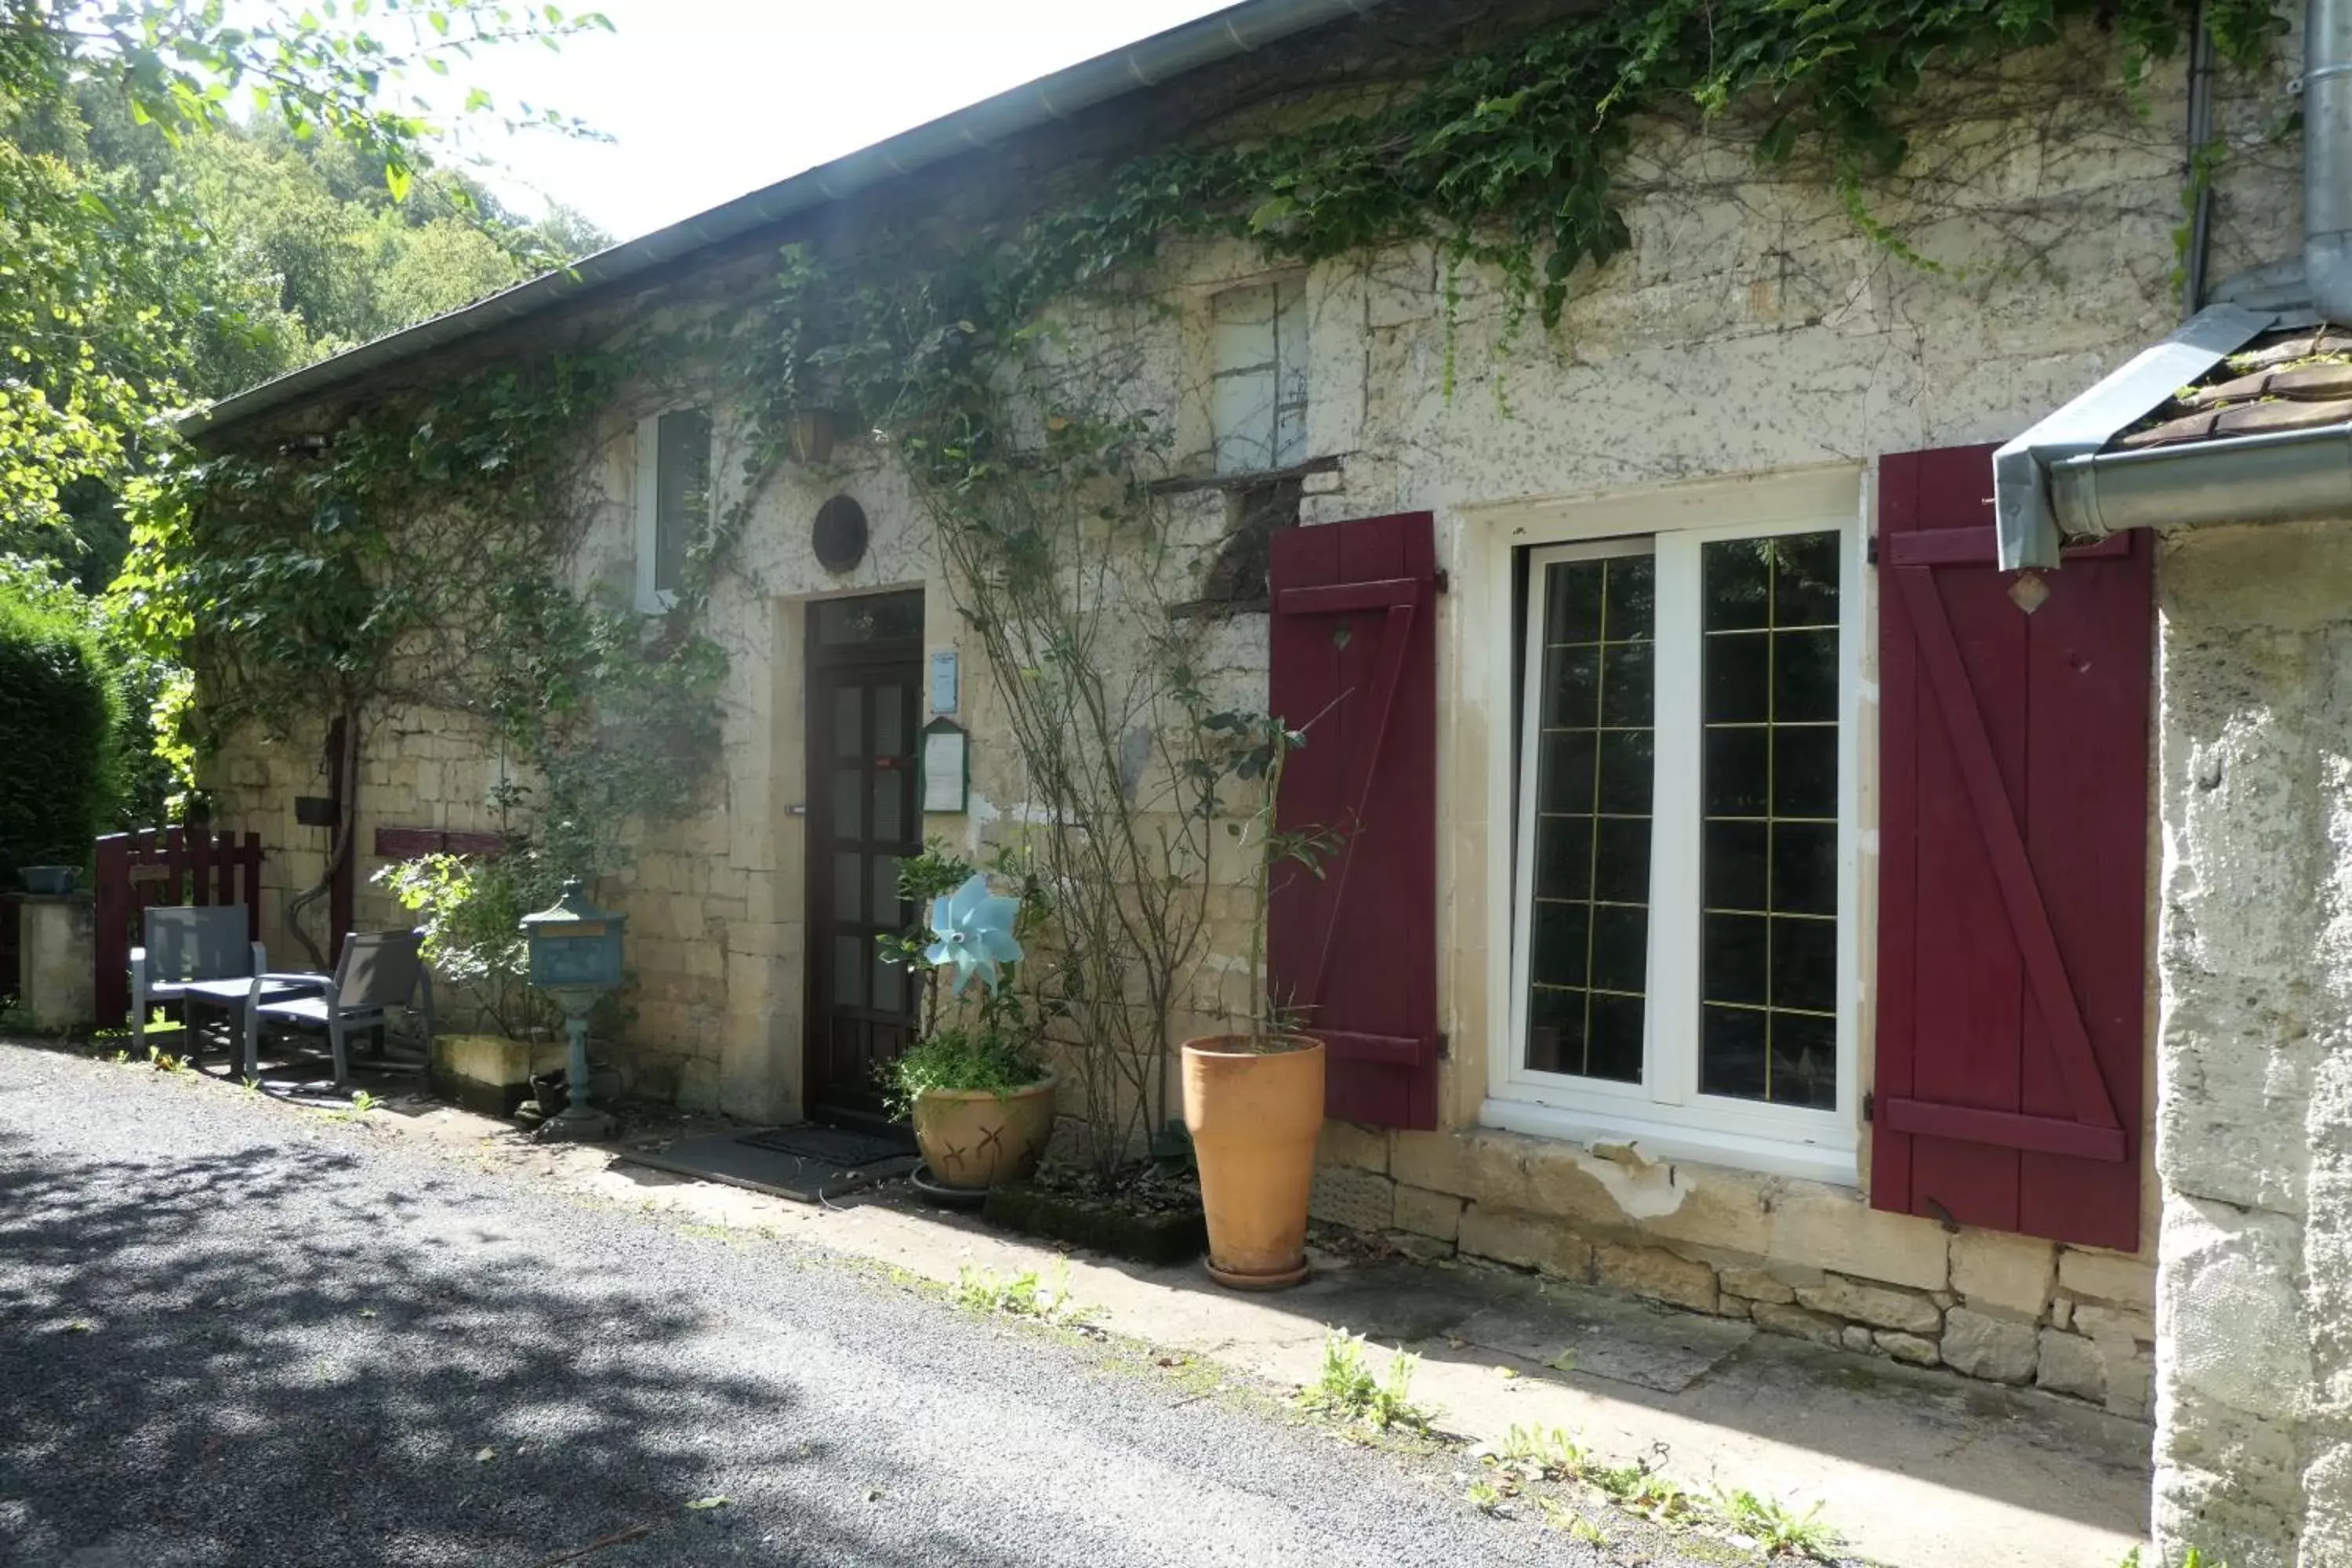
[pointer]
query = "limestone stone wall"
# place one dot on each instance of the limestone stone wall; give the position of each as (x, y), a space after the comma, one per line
(2255, 1059)
(1798, 1258)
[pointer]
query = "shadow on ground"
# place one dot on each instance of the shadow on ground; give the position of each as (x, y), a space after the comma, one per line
(251, 1358)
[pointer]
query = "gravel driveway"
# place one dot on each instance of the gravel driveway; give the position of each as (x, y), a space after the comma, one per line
(236, 1332)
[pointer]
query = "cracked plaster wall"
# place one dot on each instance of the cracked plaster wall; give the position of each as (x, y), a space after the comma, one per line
(2255, 1059)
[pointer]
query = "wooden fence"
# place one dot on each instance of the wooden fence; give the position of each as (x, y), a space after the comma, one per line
(137, 871)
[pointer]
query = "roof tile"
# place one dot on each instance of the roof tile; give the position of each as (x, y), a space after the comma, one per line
(2296, 380)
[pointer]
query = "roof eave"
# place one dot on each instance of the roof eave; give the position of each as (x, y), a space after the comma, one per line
(1202, 42)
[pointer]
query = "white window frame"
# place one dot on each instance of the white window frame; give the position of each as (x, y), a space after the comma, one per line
(1666, 1114)
(650, 600)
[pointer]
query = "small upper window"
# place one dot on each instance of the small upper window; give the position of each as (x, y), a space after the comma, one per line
(1257, 398)
(673, 500)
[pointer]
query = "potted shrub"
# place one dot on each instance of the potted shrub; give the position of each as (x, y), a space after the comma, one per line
(1253, 1099)
(974, 1083)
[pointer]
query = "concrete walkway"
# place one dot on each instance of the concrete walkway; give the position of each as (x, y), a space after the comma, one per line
(1917, 1469)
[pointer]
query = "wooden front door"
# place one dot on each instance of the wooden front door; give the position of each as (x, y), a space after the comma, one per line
(864, 663)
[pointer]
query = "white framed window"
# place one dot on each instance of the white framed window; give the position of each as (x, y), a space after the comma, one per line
(673, 501)
(1257, 385)
(1684, 954)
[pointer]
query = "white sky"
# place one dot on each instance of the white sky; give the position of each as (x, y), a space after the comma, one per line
(709, 99)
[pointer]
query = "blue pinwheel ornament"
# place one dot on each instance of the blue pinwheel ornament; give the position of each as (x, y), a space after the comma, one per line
(974, 929)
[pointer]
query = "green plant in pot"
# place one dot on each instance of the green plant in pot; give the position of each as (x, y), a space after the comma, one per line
(974, 1083)
(470, 908)
(1253, 1099)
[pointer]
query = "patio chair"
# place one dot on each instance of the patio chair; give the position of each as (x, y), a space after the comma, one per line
(185, 944)
(376, 974)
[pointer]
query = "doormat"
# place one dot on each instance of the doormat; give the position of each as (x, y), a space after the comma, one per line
(831, 1145)
(771, 1161)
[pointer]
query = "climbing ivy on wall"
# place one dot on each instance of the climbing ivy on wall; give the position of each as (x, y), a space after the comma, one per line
(1506, 158)
(422, 555)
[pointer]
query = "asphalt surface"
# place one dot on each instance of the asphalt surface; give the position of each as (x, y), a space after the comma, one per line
(236, 1332)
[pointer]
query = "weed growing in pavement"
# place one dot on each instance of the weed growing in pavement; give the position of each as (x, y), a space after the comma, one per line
(1483, 1496)
(1777, 1530)
(163, 1061)
(1348, 1388)
(1554, 1454)
(1643, 1488)
(361, 1103)
(1022, 1295)
(2195, 1559)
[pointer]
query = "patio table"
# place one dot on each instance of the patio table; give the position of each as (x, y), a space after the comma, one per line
(229, 998)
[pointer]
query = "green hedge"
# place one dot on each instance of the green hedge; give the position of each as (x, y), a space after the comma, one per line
(59, 704)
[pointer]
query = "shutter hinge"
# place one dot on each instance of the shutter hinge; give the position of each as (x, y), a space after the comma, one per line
(1870, 550)
(1445, 580)
(1869, 1105)
(1445, 1047)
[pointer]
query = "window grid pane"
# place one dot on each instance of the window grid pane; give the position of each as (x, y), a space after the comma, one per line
(1769, 707)
(1257, 390)
(681, 491)
(1587, 943)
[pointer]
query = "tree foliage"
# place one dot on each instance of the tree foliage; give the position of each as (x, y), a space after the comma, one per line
(156, 249)
(58, 709)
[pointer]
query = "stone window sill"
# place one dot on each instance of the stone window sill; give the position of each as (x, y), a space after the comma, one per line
(1831, 1164)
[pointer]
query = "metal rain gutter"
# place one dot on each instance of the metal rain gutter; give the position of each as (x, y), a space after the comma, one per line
(2282, 477)
(1222, 35)
(2024, 471)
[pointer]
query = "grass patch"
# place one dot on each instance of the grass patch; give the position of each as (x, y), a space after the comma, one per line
(1551, 1453)
(1022, 1295)
(1349, 1389)
(1777, 1530)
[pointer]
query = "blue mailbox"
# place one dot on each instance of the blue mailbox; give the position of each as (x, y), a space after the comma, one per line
(575, 957)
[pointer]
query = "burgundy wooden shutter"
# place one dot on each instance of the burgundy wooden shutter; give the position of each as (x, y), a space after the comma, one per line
(1354, 664)
(2013, 868)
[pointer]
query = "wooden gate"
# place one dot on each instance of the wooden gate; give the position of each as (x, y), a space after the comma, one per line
(137, 871)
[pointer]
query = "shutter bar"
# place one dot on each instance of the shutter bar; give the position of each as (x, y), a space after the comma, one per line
(2008, 1129)
(1336, 598)
(1355, 1045)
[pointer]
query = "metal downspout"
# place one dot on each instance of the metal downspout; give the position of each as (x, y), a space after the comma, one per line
(2201, 134)
(2327, 157)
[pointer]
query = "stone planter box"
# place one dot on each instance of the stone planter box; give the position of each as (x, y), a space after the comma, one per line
(489, 1073)
(1102, 1223)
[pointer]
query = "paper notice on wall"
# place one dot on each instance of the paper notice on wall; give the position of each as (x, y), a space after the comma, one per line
(943, 768)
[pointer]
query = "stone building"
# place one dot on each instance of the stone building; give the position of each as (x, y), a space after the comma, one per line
(1824, 926)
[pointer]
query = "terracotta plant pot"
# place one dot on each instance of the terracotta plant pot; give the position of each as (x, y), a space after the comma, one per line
(973, 1139)
(1254, 1108)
